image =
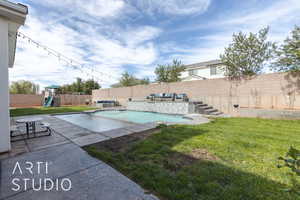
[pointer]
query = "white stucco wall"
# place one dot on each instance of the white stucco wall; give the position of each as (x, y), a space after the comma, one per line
(4, 95)
(205, 72)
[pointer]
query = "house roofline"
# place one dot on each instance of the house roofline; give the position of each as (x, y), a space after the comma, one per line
(17, 7)
(203, 64)
(13, 12)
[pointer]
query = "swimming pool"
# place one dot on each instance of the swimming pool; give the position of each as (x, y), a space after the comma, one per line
(93, 123)
(141, 117)
(108, 120)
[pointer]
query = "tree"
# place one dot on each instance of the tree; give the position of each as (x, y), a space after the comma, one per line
(129, 80)
(247, 54)
(80, 86)
(144, 81)
(169, 72)
(24, 87)
(288, 55)
(90, 85)
(162, 73)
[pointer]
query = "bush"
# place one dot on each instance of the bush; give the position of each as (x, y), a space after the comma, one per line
(161, 125)
(292, 160)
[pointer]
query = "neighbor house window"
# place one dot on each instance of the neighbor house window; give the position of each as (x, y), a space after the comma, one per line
(213, 70)
(193, 72)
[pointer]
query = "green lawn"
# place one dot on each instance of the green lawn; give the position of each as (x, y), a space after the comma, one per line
(47, 110)
(242, 160)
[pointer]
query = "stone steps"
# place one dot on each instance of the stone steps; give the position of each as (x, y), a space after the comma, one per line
(201, 105)
(205, 109)
(216, 113)
(209, 111)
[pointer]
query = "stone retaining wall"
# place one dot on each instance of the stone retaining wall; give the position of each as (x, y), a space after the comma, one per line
(269, 113)
(162, 107)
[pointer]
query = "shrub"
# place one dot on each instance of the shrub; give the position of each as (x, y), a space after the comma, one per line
(292, 160)
(161, 125)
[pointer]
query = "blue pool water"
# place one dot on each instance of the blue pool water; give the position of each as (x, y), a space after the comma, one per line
(141, 117)
(93, 123)
(109, 120)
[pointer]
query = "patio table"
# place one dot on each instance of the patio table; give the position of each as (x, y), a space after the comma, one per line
(30, 124)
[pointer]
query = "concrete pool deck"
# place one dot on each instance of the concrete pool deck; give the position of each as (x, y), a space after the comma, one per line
(65, 132)
(91, 178)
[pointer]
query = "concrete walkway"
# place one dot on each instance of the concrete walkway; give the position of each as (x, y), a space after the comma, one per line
(89, 177)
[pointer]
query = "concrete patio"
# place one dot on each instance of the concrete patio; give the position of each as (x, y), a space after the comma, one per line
(65, 132)
(91, 178)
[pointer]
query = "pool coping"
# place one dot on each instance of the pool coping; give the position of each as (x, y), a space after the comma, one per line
(193, 117)
(127, 121)
(92, 137)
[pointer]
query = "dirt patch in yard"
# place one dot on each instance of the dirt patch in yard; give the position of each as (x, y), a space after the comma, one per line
(121, 144)
(176, 161)
(173, 162)
(203, 154)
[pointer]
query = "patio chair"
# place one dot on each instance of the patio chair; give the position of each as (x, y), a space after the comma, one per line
(159, 96)
(47, 127)
(151, 97)
(16, 134)
(169, 96)
(182, 97)
(13, 129)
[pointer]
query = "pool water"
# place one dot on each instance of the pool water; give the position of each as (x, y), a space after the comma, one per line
(109, 120)
(93, 123)
(141, 117)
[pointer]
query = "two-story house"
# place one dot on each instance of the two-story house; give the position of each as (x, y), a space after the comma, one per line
(203, 70)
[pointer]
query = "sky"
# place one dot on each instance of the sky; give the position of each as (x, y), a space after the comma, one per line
(114, 36)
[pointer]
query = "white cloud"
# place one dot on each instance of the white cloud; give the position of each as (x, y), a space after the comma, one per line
(146, 71)
(197, 53)
(283, 10)
(280, 16)
(88, 46)
(99, 8)
(112, 35)
(33, 63)
(114, 53)
(135, 36)
(173, 7)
